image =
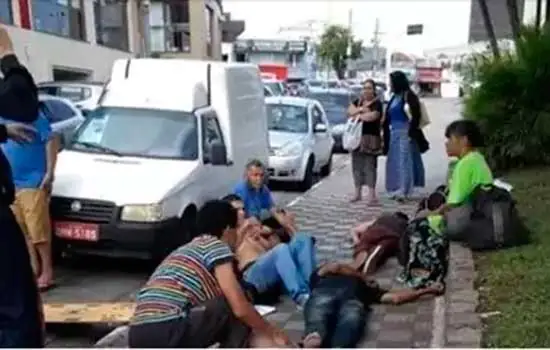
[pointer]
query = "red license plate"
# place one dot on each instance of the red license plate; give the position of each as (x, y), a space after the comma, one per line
(77, 231)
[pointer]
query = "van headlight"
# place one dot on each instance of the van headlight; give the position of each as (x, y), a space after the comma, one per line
(289, 150)
(142, 213)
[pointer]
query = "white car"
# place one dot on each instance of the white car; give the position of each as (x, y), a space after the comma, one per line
(83, 94)
(63, 115)
(276, 87)
(300, 140)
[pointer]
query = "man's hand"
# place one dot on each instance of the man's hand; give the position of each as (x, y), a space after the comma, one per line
(47, 182)
(20, 132)
(280, 339)
(6, 45)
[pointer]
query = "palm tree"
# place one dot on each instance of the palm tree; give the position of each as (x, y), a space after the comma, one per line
(489, 27)
(513, 15)
(538, 15)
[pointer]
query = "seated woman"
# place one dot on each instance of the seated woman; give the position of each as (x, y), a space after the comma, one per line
(335, 314)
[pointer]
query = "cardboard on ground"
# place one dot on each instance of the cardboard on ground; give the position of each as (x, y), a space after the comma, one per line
(113, 312)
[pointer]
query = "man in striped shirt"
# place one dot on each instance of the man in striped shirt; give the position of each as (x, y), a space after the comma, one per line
(194, 299)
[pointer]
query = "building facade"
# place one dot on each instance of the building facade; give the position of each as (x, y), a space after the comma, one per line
(80, 39)
(499, 17)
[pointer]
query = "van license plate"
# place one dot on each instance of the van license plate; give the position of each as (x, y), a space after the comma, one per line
(77, 231)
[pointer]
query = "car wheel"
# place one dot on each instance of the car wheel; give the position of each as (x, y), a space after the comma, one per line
(183, 231)
(307, 182)
(327, 168)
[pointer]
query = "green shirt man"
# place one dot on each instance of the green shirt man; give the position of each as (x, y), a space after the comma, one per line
(469, 172)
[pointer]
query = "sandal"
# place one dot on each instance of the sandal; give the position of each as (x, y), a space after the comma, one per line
(46, 287)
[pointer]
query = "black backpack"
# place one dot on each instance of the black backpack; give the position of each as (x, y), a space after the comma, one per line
(495, 221)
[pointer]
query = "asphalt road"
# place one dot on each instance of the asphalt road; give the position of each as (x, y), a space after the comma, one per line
(94, 279)
(91, 279)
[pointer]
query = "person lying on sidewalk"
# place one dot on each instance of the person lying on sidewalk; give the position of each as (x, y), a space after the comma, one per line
(193, 299)
(265, 262)
(335, 314)
(376, 241)
(257, 198)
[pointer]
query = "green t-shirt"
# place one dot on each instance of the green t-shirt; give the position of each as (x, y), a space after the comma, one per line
(469, 172)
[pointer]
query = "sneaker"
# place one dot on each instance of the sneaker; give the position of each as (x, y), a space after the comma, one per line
(301, 301)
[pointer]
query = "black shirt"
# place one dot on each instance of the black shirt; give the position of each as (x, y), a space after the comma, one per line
(373, 127)
(368, 295)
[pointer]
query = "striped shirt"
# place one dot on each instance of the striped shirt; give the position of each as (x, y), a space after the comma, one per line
(183, 280)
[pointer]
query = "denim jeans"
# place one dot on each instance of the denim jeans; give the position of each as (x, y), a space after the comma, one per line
(291, 263)
(336, 314)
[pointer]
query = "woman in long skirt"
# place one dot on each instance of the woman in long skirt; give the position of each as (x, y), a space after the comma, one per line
(402, 140)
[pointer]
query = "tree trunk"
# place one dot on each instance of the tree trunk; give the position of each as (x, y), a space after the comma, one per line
(489, 27)
(547, 15)
(538, 15)
(513, 17)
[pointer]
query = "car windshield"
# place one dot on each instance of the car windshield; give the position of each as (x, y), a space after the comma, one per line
(139, 132)
(275, 87)
(335, 105)
(287, 118)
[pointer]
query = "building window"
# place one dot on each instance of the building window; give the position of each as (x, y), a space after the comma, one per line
(209, 25)
(111, 23)
(65, 18)
(169, 26)
(5, 12)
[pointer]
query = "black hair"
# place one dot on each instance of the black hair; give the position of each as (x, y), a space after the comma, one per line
(468, 129)
(215, 217)
(232, 197)
(402, 216)
(399, 82)
(255, 163)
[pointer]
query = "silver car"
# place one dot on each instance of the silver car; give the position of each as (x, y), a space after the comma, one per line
(300, 140)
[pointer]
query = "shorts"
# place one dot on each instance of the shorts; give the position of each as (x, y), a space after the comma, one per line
(32, 212)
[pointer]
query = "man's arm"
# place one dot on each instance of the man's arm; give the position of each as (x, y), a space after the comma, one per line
(18, 92)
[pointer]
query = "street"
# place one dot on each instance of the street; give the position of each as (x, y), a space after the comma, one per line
(91, 279)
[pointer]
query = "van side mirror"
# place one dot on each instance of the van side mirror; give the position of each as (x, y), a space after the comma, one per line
(218, 154)
(320, 128)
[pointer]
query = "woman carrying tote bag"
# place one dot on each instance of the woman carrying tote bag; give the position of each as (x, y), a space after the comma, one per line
(364, 159)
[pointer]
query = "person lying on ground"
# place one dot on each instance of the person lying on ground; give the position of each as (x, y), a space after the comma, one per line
(257, 198)
(20, 305)
(375, 241)
(194, 299)
(265, 262)
(335, 314)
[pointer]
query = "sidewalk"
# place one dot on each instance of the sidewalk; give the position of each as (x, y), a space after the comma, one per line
(447, 321)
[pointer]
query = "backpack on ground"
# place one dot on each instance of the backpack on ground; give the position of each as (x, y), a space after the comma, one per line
(495, 221)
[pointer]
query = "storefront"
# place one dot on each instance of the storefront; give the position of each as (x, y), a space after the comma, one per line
(429, 81)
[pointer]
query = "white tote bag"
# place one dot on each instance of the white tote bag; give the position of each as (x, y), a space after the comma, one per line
(351, 139)
(424, 117)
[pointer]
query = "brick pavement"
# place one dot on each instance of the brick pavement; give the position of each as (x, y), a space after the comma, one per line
(325, 212)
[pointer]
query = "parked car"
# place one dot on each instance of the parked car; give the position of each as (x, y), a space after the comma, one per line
(83, 94)
(299, 139)
(63, 116)
(276, 86)
(335, 103)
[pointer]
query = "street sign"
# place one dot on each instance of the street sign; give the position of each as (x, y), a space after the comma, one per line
(415, 29)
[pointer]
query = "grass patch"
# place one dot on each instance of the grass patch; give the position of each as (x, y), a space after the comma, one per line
(516, 282)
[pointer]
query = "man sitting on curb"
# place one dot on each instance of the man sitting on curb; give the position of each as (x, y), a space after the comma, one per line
(257, 198)
(193, 299)
(265, 261)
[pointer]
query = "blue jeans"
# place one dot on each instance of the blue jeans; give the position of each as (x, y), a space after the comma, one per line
(337, 315)
(291, 263)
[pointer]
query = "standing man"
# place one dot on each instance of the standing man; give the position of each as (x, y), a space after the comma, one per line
(257, 198)
(21, 321)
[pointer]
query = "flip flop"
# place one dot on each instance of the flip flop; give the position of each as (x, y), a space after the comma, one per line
(46, 287)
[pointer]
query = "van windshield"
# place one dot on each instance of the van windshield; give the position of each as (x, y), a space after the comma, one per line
(138, 132)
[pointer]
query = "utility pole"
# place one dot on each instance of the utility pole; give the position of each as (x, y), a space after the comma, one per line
(376, 47)
(350, 43)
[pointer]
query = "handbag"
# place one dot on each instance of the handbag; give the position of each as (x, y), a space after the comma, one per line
(424, 117)
(351, 139)
(371, 144)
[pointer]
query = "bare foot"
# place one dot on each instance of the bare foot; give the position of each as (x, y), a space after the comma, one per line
(312, 340)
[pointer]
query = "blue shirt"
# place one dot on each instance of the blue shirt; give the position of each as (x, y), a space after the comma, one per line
(396, 113)
(256, 202)
(28, 160)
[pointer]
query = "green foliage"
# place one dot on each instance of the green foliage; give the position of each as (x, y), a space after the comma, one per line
(512, 102)
(333, 48)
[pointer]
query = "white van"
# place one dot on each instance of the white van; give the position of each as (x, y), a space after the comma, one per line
(168, 135)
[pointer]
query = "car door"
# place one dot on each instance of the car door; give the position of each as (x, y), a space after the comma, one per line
(217, 177)
(323, 139)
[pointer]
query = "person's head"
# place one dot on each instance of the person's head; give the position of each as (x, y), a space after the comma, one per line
(399, 83)
(462, 136)
(219, 219)
(369, 89)
(237, 203)
(255, 173)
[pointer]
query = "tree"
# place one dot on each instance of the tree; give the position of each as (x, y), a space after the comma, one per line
(513, 17)
(333, 48)
(489, 27)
